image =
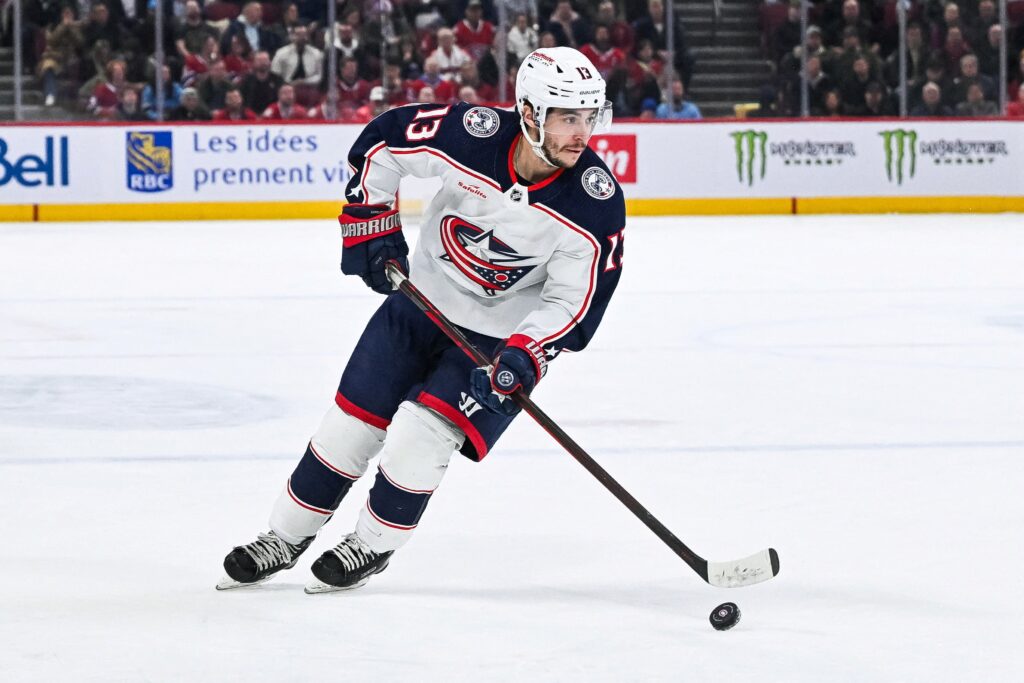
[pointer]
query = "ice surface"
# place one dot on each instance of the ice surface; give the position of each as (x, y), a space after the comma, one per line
(848, 390)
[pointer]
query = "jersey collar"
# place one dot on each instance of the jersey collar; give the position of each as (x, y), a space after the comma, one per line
(534, 191)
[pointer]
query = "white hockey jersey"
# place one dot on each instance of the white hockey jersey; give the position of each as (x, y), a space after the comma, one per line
(497, 255)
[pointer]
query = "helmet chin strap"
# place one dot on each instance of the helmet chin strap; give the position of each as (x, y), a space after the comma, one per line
(538, 146)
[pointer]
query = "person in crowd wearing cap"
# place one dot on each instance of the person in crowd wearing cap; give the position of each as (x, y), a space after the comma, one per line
(285, 108)
(473, 33)
(191, 108)
(648, 109)
(789, 66)
(375, 107)
(234, 108)
(679, 107)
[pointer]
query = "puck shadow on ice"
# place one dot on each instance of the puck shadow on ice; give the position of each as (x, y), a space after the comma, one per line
(126, 403)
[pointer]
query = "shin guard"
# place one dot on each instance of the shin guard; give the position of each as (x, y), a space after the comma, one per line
(337, 455)
(415, 457)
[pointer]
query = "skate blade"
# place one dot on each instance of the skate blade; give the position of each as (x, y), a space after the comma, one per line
(227, 583)
(315, 587)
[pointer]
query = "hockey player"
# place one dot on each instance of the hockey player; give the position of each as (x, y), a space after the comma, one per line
(521, 248)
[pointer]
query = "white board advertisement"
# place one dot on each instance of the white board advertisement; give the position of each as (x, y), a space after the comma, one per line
(104, 164)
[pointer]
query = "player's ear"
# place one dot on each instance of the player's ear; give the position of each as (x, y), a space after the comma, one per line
(529, 116)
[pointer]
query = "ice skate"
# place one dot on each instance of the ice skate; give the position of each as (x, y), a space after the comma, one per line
(348, 565)
(256, 562)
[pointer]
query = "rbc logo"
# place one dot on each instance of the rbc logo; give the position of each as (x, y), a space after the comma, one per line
(150, 159)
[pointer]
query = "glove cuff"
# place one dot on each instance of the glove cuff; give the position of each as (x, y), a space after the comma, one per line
(378, 221)
(534, 350)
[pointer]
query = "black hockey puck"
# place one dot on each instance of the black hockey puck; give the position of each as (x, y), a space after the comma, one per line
(725, 616)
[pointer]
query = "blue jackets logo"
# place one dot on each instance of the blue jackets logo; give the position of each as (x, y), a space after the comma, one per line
(32, 170)
(150, 161)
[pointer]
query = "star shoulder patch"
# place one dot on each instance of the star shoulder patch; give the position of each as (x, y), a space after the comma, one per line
(481, 122)
(598, 183)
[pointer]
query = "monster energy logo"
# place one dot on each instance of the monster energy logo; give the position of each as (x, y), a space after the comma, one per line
(750, 145)
(897, 145)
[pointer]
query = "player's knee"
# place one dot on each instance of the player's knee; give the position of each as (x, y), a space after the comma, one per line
(418, 447)
(345, 442)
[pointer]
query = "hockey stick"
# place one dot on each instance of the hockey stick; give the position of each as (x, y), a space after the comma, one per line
(745, 572)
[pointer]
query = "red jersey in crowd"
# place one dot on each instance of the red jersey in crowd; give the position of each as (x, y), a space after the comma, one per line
(273, 112)
(104, 99)
(444, 91)
(606, 61)
(236, 66)
(476, 42)
(226, 115)
(194, 67)
(357, 92)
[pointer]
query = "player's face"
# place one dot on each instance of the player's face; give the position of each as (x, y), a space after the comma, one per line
(566, 132)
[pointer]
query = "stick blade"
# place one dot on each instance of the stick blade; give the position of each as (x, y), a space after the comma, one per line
(746, 572)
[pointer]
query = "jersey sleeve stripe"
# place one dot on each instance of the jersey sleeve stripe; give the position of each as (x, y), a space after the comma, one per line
(448, 159)
(366, 170)
(592, 285)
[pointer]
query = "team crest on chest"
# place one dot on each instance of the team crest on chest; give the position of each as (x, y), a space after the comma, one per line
(481, 257)
(598, 184)
(481, 122)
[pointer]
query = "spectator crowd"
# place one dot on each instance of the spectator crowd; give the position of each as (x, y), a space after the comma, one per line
(852, 62)
(269, 60)
(236, 60)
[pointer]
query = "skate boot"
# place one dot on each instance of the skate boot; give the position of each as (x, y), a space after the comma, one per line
(253, 563)
(348, 565)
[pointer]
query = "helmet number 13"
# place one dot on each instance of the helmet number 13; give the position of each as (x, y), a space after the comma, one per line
(584, 72)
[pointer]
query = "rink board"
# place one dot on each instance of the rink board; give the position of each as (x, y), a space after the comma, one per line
(245, 171)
